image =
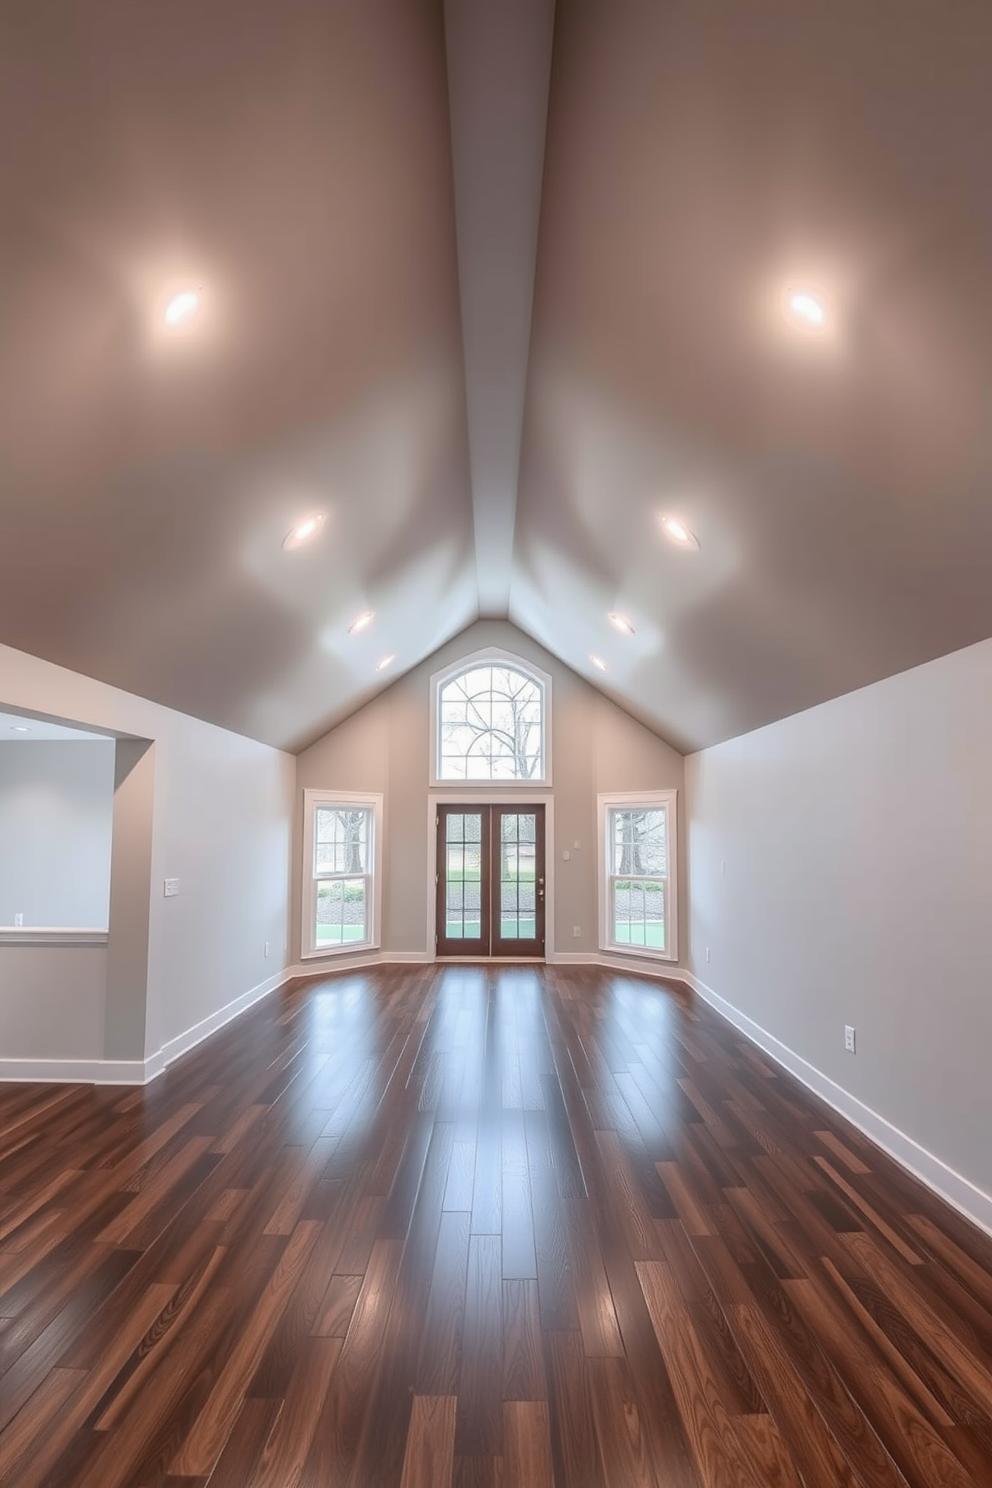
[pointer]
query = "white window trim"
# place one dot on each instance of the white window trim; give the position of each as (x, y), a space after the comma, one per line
(491, 656)
(637, 801)
(350, 800)
(486, 797)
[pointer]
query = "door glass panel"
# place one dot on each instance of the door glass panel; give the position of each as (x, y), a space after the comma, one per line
(517, 876)
(463, 876)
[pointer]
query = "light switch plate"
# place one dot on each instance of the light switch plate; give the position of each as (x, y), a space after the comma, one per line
(171, 888)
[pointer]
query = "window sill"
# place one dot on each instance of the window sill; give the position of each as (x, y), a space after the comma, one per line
(352, 948)
(51, 936)
(639, 953)
(485, 785)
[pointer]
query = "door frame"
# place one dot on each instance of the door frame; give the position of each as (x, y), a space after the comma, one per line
(493, 797)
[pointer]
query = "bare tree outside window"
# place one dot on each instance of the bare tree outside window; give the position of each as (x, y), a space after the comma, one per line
(640, 841)
(341, 840)
(491, 726)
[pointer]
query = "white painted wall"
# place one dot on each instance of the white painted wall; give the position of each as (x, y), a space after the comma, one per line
(840, 869)
(56, 804)
(386, 747)
(221, 824)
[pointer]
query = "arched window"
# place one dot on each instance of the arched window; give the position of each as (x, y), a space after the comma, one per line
(491, 721)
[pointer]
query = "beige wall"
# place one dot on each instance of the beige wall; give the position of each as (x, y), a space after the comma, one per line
(841, 873)
(51, 1003)
(218, 810)
(386, 748)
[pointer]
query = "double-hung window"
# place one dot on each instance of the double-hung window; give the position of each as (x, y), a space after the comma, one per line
(342, 842)
(638, 908)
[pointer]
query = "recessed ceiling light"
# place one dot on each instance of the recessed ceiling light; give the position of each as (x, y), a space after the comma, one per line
(621, 622)
(304, 531)
(676, 530)
(183, 307)
(599, 663)
(805, 309)
(385, 662)
(19, 728)
(362, 623)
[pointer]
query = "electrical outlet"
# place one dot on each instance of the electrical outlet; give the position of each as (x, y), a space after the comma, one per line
(576, 844)
(170, 888)
(18, 919)
(707, 953)
(849, 1039)
(576, 931)
(565, 855)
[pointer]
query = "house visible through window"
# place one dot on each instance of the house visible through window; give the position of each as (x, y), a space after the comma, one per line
(491, 724)
(637, 899)
(341, 909)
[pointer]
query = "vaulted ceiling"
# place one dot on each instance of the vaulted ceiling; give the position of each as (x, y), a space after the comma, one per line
(494, 286)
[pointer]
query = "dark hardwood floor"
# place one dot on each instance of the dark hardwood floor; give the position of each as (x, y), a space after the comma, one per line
(478, 1226)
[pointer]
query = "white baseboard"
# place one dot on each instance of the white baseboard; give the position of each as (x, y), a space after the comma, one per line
(951, 1186)
(135, 1071)
(669, 971)
(75, 1071)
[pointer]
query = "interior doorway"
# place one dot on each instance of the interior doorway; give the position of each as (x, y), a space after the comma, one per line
(490, 880)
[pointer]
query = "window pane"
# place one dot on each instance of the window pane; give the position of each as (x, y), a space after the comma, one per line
(490, 726)
(639, 842)
(342, 912)
(341, 840)
(639, 913)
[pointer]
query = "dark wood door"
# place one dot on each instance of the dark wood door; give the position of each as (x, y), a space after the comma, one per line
(490, 880)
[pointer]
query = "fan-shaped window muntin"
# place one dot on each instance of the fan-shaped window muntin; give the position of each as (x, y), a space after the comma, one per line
(491, 724)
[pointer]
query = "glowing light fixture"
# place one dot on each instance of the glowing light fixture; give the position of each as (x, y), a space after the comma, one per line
(621, 622)
(19, 728)
(304, 531)
(677, 532)
(599, 663)
(805, 309)
(183, 308)
(385, 662)
(362, 623)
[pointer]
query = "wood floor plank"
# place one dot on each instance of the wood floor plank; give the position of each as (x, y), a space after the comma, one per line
(287, 1445)
(526, 1445)
(480, 1417)
(429, 1459)
(574, 1447)
(717, 1447)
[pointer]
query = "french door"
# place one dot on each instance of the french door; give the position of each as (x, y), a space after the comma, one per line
(490, 880)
